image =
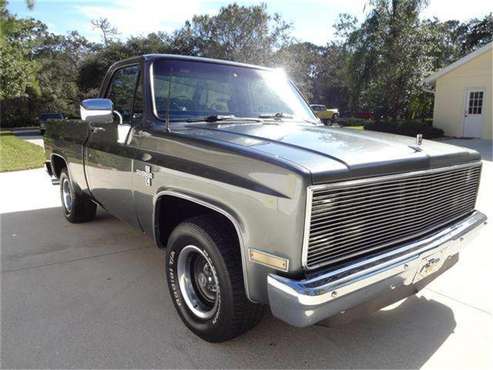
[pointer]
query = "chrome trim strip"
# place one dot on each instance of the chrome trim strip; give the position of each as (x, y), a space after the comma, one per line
(201, 202)
(304, 302)
(392, 177)
(312, 188)
(153, 97)
(306, 234)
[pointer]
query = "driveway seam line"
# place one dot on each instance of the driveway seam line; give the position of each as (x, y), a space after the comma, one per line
(459, 301)
(74, 260)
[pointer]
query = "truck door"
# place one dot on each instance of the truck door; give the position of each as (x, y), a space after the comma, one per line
(109, 158)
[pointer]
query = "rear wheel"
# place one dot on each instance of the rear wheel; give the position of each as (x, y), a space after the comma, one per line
(77, 207)
(205, 280)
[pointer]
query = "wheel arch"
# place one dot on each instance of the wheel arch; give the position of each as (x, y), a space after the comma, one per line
(196, 205)
(58, 163)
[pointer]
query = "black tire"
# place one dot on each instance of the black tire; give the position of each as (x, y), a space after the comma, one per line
(231, 313)
(80, 208)
(334, 117)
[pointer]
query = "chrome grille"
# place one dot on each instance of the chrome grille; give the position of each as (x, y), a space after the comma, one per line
(351, 218)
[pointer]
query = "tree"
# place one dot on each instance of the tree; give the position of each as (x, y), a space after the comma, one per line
(108, 32)
(377, 65)
(331, 86)
(93, 66)
(60, 59)
(387, 62)
(302, 62)
(478, 33)
(18, 45)
(241, 33)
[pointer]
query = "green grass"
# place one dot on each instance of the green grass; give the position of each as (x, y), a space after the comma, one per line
(17, 154)
(356, 127)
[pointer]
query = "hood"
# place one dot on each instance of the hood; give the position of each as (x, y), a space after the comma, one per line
(331, 154)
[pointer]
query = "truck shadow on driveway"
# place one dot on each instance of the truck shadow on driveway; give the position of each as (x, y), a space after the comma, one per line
(94, 296)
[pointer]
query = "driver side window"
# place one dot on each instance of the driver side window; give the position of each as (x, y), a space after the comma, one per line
(121, 91)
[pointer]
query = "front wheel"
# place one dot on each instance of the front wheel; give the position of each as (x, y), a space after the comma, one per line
(334, 117)
(205, 280)
(77, 207)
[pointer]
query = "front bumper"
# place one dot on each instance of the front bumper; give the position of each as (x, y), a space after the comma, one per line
(305, 302)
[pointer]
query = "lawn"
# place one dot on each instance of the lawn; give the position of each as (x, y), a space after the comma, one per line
(17, 154)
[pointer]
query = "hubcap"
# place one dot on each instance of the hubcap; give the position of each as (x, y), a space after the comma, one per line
(66, 196)
(198, 282)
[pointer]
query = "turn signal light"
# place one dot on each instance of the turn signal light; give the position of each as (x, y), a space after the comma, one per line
(268, 260)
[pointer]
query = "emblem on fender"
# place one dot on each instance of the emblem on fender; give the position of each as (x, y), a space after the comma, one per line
(147, 174)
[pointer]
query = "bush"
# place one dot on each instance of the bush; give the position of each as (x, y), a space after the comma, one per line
(352, 121)
(407, 128)
(17, 112)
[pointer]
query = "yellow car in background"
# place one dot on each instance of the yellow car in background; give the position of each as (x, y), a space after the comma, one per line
(325, 115)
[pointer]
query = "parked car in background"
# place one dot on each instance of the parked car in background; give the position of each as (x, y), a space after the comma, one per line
(256, 202)
(45, 117)
(326, 115)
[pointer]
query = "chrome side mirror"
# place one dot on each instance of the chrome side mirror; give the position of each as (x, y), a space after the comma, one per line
(97, 110)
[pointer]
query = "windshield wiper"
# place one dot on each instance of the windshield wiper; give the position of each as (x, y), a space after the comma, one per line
(278, 115)
(229, 117)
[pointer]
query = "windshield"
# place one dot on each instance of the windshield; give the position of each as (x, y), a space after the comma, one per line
(318, 108)
(187, 90)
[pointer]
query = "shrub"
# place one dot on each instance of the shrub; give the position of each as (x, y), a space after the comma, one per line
(352, 121)
(407, 128)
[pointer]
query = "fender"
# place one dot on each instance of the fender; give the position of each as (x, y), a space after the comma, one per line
(228, 215)
(59, 156)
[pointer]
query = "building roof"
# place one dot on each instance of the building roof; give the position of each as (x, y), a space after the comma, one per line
(434, 76)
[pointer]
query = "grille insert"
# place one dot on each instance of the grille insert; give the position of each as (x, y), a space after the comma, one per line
(347, 219)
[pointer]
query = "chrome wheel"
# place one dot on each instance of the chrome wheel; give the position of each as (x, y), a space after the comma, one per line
(198, 282)
(66, 194)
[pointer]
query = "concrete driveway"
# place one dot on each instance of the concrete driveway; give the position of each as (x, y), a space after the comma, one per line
(94, 296)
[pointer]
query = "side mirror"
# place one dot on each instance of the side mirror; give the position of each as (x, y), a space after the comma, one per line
(97, 110)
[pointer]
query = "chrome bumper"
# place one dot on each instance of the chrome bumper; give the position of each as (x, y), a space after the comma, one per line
(305, 302)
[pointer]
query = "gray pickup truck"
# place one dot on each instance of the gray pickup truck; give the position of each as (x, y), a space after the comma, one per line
(255, 201)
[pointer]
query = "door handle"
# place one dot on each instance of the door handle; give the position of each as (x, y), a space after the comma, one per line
(97, 129)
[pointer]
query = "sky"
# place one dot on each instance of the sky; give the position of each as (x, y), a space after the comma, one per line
(312, 20)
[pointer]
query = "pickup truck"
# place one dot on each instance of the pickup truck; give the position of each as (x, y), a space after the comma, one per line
(256, 202)
(324, 114)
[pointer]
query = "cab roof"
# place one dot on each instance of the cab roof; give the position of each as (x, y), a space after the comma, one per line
(153, 57)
